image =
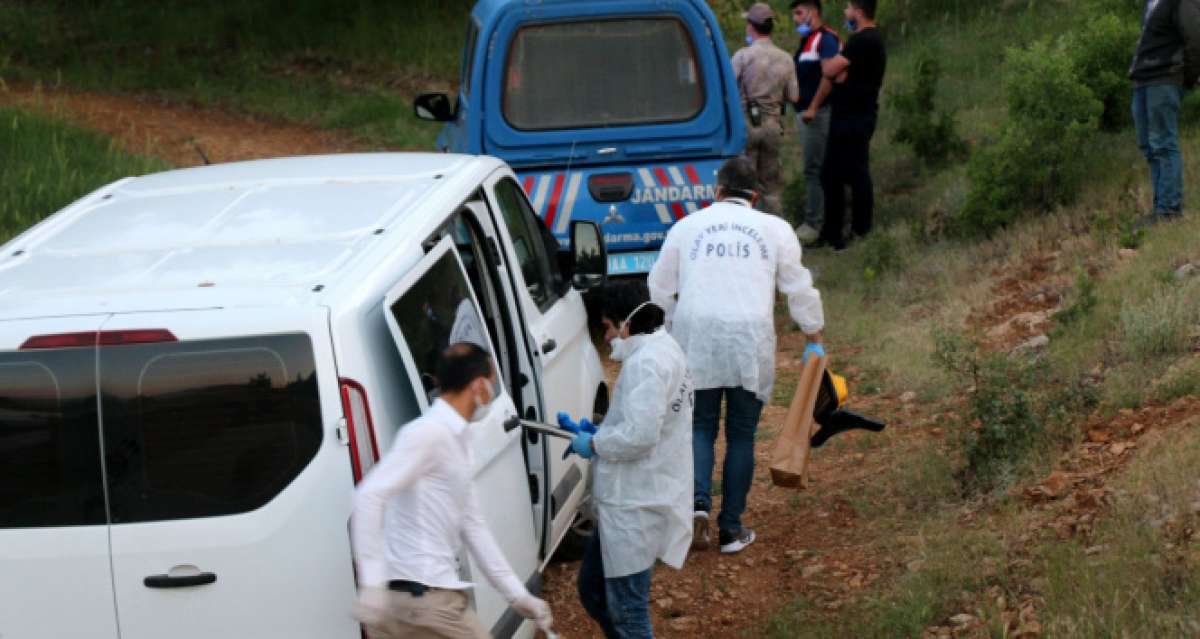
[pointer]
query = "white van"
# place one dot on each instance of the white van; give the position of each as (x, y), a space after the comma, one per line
(197, 365)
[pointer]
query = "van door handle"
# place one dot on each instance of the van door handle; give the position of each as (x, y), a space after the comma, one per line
(548, 346)
(186, 580)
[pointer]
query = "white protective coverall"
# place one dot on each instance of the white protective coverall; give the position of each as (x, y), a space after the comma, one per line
(725, 262)
(642, 470)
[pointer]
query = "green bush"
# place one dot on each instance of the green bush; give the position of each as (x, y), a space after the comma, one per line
(1100, 52)
(881, 254)
(932, 135)
(1081, 305)
(1005, 410)
(1037, 161)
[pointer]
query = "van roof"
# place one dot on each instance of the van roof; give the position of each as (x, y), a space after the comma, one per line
(487, 10)
(241, 234)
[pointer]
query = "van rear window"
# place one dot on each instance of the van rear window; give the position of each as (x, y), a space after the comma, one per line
(49, 443)
(628, 71)
(208, 427)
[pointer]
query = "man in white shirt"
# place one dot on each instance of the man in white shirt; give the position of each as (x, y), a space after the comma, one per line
(417, 508)
(716, 277)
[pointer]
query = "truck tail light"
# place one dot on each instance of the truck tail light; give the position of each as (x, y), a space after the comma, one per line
(610, 187)
(99, 338)
(364, 450)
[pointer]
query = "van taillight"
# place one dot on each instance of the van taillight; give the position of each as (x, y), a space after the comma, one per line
(610, 187)
(99, 338)
(364, 450)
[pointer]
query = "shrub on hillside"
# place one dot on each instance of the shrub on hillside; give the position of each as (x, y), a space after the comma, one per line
(931, 134)
(1006, 416)
(881, 255)
(1037, 160)
(1100, 52)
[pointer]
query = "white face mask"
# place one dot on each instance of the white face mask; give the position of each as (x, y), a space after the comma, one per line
(482, 407)
(620, 345)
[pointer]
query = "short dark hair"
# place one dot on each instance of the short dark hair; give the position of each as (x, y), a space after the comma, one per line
(866, 6)
(461, 364)
(621, 297)
(737, 177)
(765, 27)
(812, 3)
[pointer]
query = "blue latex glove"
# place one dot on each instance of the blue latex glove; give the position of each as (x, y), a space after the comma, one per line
(813, 349)
(584, 425)
(582, 445)
(565, 423)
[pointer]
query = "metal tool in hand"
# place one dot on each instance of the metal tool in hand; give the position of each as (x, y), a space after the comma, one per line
(547, 429)
(537, 427)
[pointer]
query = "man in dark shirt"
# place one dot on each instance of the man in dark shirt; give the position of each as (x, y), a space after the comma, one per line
(818, 46)
(1165, 64)
(857, 75)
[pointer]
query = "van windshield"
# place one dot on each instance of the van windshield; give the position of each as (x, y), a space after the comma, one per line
(554, 79)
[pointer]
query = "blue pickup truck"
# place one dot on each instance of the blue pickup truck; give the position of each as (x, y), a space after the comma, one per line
(615, 111)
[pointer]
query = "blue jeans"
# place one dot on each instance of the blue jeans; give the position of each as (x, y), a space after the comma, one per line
(742, 410)
(813, 138)
(620, 605)
(1156, 117)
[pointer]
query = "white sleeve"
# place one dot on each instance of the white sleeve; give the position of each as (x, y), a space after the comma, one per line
(796, 282)
(663, 280)
(394, 473)
(487, 554)
(643, 411)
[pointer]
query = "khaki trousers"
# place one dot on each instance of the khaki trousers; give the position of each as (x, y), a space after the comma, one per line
(436, 614)
(762, 149)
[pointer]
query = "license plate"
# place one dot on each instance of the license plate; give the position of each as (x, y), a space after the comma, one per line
(631, 263)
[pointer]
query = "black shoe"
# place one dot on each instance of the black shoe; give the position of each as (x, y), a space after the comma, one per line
(735, 541)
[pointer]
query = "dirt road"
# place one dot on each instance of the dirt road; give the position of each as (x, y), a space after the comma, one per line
(181, 134)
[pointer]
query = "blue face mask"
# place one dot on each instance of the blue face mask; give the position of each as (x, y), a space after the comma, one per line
(852, 25)
(749, 40)
(804, 29)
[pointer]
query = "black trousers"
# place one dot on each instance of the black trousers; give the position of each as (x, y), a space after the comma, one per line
(848, 163)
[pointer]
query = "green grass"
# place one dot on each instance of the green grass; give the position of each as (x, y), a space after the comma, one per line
(336, 65)
(1139, 575)
(46, 164)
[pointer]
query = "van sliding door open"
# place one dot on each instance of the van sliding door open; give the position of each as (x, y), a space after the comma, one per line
(432, 307)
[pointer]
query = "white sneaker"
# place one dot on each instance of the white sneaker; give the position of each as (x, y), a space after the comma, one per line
(700, 536)
(807, 234)
(733, 543)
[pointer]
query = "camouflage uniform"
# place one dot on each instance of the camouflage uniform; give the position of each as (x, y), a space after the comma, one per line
(766, 74)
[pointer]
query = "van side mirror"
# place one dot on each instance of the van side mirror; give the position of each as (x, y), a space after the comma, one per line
(433, 106)
(589, 255)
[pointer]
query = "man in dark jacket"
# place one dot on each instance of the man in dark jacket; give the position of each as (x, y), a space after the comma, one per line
(1166, 62)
